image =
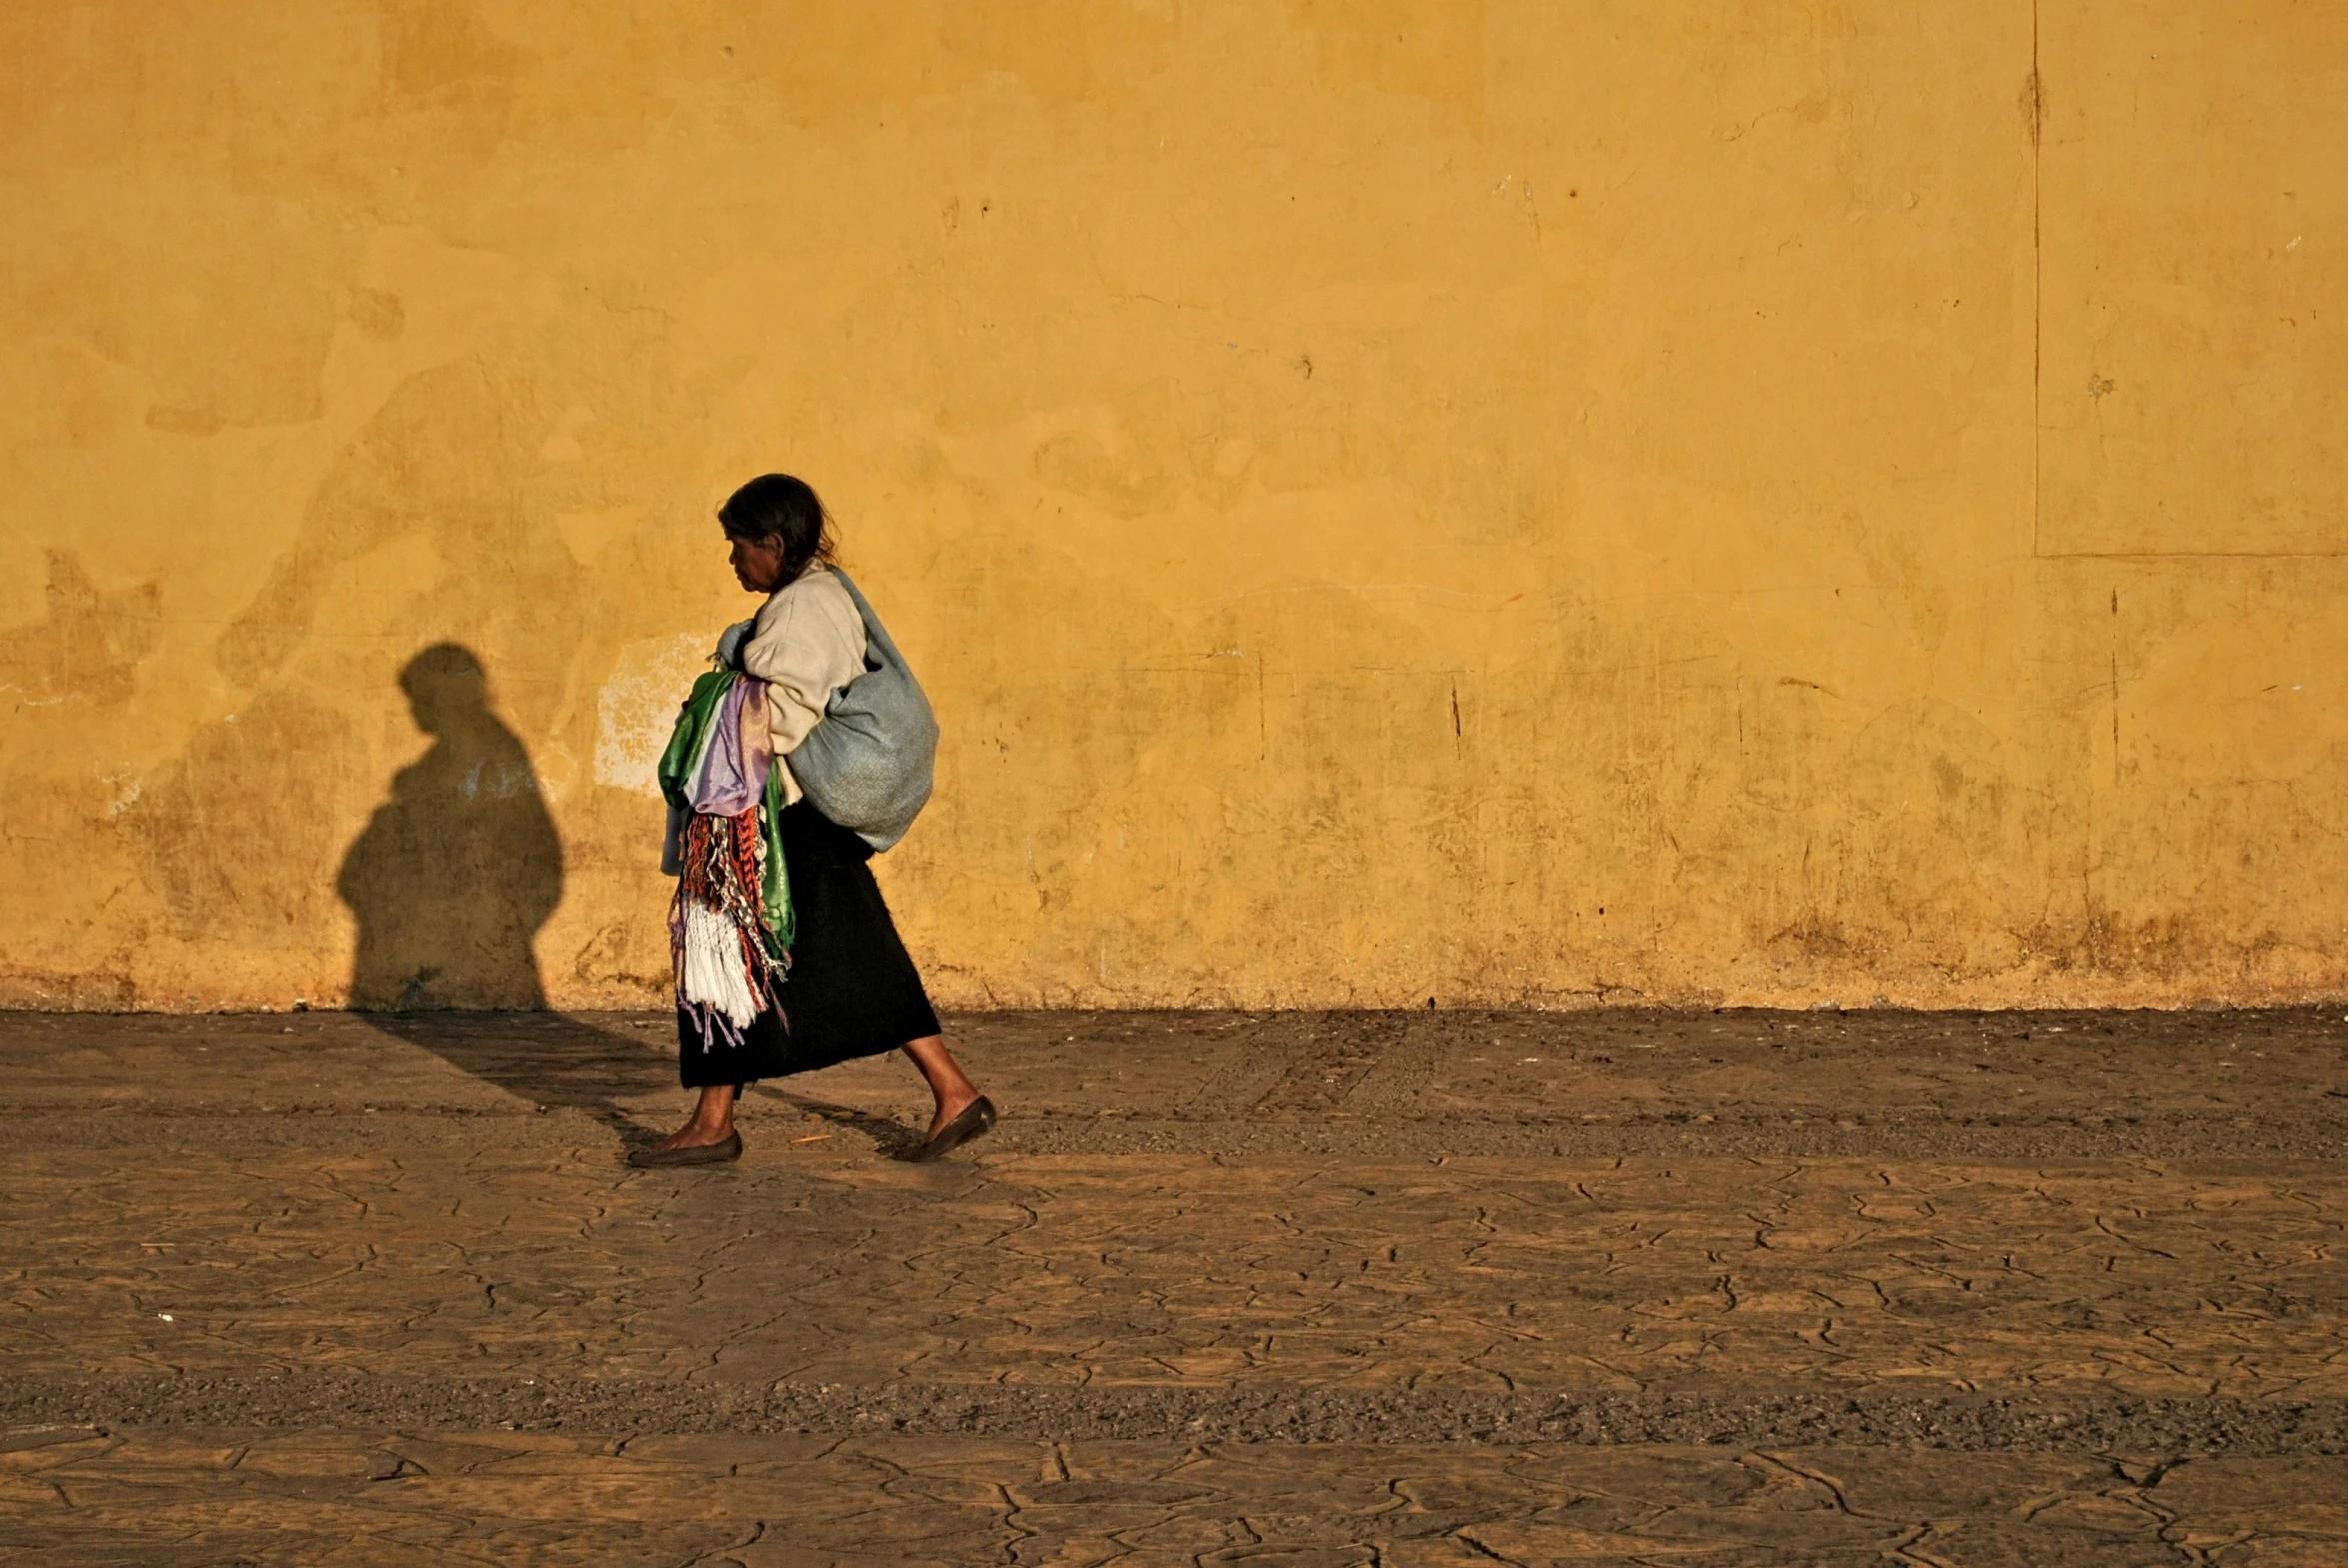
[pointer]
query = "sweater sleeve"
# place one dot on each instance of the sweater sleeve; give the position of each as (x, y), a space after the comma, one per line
(807, 642)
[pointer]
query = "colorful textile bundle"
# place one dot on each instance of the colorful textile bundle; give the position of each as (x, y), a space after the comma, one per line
(730, 925)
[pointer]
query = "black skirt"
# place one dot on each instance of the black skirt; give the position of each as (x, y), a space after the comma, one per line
(853, 991)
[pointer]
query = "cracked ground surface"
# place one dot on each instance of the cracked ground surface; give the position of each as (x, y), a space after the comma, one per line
(1606, 1287)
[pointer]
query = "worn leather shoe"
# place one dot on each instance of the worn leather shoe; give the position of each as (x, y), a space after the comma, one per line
(976, 1118)
(706, 1154)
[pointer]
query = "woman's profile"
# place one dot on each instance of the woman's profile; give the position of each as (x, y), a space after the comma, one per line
(785, 958)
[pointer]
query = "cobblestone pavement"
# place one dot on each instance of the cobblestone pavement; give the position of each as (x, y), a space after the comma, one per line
(1437, 1287)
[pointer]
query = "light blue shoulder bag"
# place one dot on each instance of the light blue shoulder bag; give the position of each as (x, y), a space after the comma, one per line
(867, 764)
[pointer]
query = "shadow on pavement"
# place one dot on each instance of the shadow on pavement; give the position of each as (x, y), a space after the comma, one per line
(450, 882)
(891, 1137)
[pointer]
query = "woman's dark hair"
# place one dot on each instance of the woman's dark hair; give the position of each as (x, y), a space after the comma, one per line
(786, 508)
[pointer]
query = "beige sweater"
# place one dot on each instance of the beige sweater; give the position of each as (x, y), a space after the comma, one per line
(806, 642)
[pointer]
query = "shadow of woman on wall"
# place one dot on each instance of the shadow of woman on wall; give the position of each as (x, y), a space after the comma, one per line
(450, 882)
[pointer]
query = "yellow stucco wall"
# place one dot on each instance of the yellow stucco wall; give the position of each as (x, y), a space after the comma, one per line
(1500, 502)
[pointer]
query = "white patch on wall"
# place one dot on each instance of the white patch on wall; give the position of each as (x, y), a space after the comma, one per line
(636, 707)
(125, 788)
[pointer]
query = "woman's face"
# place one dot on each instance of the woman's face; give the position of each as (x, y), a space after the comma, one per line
(757, 564)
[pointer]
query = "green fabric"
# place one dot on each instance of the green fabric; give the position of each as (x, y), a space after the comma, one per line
(775, 911)
(692, 727)
(676, 772)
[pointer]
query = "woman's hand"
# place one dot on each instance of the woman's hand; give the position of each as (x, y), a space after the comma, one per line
(728, 654)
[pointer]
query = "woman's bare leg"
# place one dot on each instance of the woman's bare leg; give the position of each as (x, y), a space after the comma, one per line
(712, 1121)
(947, 1086)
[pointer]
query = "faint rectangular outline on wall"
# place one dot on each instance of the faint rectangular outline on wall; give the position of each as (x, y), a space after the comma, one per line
(2329, 527)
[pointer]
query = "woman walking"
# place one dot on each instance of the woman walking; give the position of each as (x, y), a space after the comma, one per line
(786, 961)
